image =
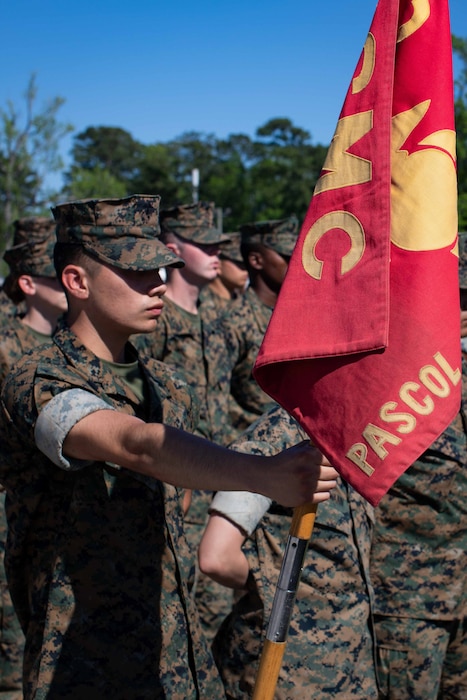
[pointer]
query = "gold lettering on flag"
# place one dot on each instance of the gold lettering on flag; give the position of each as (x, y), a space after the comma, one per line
(341, 168)
(415, 195)
(344, 221)
(421, 12)
(361, 80)
(438, 383)
(376, 437)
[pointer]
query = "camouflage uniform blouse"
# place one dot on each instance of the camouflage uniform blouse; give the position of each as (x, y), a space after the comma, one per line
(17, 339)
(96, 554)
(330, 648)
(7, 309)
(191, 345)
(214, 303)
(244, 326)
(419, 563)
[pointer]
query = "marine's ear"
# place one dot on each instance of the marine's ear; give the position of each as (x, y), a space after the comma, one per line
(75, 280)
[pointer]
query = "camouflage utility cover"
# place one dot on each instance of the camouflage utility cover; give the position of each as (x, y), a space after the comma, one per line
(32, 252)
(32, 228)
(278, 234)
(230, 250)
(120, 232)
(193, 223)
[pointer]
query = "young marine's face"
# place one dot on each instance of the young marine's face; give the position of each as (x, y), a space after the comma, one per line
(202, 263)
(274, 268)
(233, 275)
(127, 301)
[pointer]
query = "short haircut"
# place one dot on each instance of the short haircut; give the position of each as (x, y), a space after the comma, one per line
(72, 254)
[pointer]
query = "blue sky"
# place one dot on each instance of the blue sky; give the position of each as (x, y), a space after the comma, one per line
(159, 69)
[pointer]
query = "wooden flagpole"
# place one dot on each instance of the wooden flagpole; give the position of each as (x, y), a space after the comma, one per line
(272, 654)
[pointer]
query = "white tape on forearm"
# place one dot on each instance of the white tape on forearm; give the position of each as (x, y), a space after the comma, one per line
(243, 508)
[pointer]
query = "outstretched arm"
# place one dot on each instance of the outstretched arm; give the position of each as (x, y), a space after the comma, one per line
(292, 477)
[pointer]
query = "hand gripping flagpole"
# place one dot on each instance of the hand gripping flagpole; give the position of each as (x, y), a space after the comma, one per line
(272, 654)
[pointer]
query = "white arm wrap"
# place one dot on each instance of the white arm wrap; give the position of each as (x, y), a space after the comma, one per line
(243, 508)
(57, 419)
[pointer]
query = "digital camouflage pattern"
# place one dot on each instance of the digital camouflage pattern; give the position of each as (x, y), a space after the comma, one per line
(8, 309)
(192, 222)
(191, 344)
(230, 250)
(96, 555)
(31, 253)
(17, 338)
(11, 634)
(418, 568)
(243, 328)
(212, 303)
(34, 254)
(32, 228)
(278, 234)
(120, 232)
(330, 647)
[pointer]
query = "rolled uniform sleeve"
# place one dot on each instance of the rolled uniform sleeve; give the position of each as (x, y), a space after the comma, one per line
(241, 507)
(58, 417)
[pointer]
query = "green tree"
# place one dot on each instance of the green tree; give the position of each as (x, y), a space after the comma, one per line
(158, 174)
(270, 177)
(460, 107)
(94, 183)
(29, 153)
(166, 169)
(286, 170)
(109, 148)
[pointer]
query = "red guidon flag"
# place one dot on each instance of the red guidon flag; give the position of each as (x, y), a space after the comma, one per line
(363, 347)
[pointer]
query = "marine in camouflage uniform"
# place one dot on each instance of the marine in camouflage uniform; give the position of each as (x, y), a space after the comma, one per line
(419, 569)
(231, 281)
(96, 558)
(21, 234)
(330, 652)
(271, 243)
(186, 340)
(95, 549)
(31, 255)
(190, 343)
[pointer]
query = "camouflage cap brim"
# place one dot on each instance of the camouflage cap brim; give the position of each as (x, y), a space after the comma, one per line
(201, 236)
(194, 223)
(283, 243)
(278, 234)
(34, 258)
(136, 254)
(230, 250)
(120, 232)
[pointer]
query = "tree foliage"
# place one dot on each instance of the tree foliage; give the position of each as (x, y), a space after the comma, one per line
(460, 107)
(29, 153)
(270, 176)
